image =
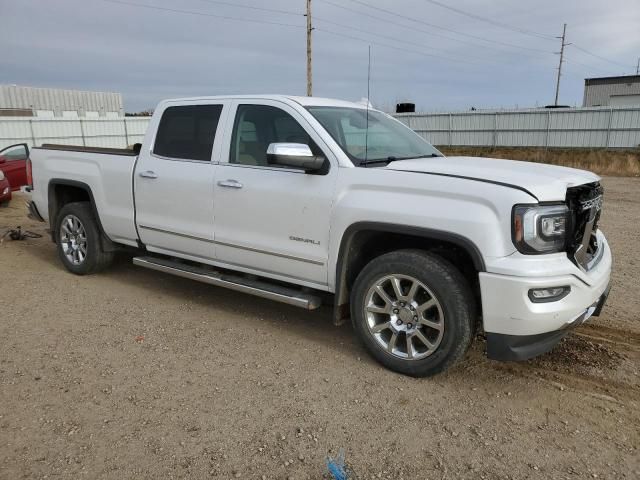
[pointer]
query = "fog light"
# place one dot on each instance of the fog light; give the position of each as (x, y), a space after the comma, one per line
(5, 191)
(550, 294)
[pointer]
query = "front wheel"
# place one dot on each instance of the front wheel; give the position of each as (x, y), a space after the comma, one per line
(79, 240)
(413, 311)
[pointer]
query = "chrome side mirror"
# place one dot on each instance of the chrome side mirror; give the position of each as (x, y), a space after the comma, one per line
(294, 155)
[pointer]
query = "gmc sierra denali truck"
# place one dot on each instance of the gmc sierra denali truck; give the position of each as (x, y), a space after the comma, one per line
(309, 200)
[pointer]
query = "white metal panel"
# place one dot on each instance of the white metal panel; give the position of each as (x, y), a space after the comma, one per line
(16, 96)
(574, 127)
(623, 100)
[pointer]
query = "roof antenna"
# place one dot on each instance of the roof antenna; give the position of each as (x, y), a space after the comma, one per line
(366, 133)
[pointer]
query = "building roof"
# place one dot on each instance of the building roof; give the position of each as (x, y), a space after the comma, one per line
(612, 80)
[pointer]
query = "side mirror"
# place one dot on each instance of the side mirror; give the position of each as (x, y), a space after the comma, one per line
(294, 155)
(2, 160)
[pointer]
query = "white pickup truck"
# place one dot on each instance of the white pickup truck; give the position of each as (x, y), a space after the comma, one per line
(308, 200)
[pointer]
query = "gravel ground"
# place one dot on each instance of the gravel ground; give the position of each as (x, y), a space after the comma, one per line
(135, 374)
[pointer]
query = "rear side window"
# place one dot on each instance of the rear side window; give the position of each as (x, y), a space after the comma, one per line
(187, 132)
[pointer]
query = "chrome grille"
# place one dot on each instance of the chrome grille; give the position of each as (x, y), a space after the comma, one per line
(585, 204)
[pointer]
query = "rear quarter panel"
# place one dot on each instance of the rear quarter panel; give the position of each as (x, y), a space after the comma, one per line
(109, 177)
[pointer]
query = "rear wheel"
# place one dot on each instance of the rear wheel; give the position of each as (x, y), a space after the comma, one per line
(413, 311)
(79, 240)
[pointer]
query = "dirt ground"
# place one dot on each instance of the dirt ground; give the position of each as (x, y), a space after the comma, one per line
(136, 374)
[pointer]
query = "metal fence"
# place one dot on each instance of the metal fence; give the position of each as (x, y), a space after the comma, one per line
(575, 127)
(572, 127)
(117, 133)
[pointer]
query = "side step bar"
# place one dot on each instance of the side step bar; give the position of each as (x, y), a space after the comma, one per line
(259, 288)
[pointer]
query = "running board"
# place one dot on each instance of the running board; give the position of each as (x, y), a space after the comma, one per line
(259, 288)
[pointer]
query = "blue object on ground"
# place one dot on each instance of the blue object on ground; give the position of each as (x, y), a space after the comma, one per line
(337, 468)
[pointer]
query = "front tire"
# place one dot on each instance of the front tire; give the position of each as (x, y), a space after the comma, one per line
(79, 240)
(413, 311)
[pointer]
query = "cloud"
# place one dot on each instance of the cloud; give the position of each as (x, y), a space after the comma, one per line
(453, 63)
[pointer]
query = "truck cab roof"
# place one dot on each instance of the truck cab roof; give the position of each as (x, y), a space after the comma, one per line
(301, 100)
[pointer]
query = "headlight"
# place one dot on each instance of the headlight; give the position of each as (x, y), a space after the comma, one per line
(540, 228)
(1, 175)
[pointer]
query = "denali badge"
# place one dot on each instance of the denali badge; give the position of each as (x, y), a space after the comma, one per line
(593, 203)
(305, 240)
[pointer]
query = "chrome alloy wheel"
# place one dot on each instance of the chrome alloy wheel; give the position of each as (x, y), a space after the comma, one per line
(404, 317)
(73, 239)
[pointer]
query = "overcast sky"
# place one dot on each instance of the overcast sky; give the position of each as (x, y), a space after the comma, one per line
(435, 57)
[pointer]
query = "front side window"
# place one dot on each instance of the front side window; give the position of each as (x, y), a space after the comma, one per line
(257, 126)
(13, 153)
(187, 132)
(371, 136)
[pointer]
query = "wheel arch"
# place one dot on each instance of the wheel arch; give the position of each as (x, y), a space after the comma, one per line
(363, 241)
(61, 192)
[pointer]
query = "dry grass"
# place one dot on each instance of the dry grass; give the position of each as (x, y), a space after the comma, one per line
(622, 163)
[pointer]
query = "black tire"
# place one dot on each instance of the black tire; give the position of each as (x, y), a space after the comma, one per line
(96, 259)
(5, 204)
(447, 286)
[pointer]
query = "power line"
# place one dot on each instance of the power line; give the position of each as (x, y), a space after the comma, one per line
(432, 25)
(386, 20)
(405, 27)
(491, 21)
(387, 37)
(381, 44)
(252, 7)
(226, 17)
(586, 66)
(202, 14)
(517, 29)
(600, 57)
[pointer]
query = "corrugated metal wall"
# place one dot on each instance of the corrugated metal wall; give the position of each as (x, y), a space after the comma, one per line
(601, 93)
(117, 133)
(574, 127)
(59, 100)
(580, 127)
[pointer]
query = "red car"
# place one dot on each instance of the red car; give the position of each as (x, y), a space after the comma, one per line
(13, 163)
(5, 190)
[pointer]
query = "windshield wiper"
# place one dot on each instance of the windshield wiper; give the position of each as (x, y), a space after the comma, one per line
(395, 159)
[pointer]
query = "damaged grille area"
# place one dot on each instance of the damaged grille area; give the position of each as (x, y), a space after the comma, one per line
(585, 207)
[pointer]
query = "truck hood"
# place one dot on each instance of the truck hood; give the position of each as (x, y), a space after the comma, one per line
(543, 182)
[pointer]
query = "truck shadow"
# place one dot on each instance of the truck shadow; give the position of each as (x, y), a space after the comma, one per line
(315, 325)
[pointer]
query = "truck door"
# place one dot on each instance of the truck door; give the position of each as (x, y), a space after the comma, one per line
(13, 163)
(173, 181)
(271, 220)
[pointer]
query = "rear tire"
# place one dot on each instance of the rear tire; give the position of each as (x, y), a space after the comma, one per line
(79, 241)
(413, 311)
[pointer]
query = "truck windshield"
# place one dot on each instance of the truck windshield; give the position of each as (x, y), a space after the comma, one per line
(383, 140)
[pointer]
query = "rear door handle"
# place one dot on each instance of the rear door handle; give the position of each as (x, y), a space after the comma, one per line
(230, 183)
(148, 174)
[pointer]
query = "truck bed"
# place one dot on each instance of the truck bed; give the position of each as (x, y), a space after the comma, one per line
(107, 151)
(105, 174)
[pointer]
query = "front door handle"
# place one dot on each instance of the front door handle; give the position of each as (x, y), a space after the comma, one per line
(230, 183)
(148, 174)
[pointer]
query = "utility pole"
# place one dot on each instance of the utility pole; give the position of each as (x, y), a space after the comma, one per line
(564, 32)
(638, 67)
(309, 65)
